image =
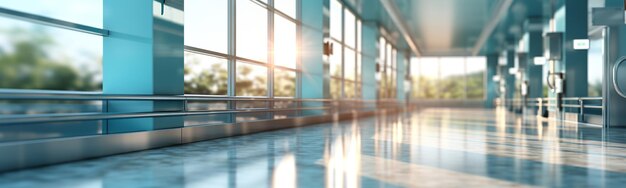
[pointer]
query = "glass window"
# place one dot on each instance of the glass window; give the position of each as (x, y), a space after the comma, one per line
(206, 25)
(335, 19)
(546, 69)
(475, 75)
(34, 56)
(285, 48)
(358, 35)
(452, 81)
(349, 28)
(335, 88)
(388, 56)
(448, 77)
(428, 78)
(415, 75)
(381, 50)
(251, 80)
(205, 74)
(394, 58)
(359, 87)
(286, 6)
(349, 65)
(595, 65)
(335, 62)
(358, 68)
(350, 89)
(251, 31)
(77, 11)
(284, 83)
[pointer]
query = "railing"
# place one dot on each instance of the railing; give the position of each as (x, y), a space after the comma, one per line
(580, 104)
(50, 107)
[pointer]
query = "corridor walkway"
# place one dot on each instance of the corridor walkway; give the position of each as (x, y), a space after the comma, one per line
(429, 148)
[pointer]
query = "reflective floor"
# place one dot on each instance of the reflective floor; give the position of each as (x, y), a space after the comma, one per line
(430, 148)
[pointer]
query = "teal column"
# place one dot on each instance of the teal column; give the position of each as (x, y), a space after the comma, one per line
(574, 62)
(314, 68)
(534, 73)
(569, 20)
(401, 76)
(490, 89)
(368, 63)
(312, 17)
(313, 84)
(143, 55)
(510, 78)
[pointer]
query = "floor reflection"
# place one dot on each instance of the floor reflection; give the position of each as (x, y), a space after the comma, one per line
(428, 148)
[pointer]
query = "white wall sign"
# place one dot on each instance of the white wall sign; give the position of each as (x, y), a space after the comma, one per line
(581, 44)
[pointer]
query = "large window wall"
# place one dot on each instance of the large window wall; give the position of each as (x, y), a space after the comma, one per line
(387, 70)
(35, 55)
(595, 64)
(241, 48)
(448, 77)
(345, 63)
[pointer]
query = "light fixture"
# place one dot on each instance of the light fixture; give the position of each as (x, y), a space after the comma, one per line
(539, 60)
(512, 70)
(328, 48)
(502, 61)
(496, 78)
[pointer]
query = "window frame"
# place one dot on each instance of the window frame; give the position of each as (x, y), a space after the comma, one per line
(269, 63)
(342, 46)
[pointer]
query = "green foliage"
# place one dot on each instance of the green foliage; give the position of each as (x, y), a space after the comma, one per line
(27, 64)
(211, 81)
(247, 84)
(595, 89)
(452, 87)
(284, 83)
(387, 83)
(476, 85)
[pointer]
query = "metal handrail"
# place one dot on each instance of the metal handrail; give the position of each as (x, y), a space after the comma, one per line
(106, 116)
(533, 101)
(581, 98)
(581, 106)
(52, 22)
(11, 94)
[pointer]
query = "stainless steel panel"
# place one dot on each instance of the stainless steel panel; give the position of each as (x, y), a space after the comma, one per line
(44, 152)
(28, 154)
(607, 16)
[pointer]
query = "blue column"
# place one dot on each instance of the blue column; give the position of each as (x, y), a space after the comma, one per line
(490, 89)
(143, 55)
(312, 45)
(534, 73)
(312, 49)
(574, 62)
(368, 63)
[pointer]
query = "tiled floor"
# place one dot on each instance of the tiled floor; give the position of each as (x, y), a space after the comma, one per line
(431, 148)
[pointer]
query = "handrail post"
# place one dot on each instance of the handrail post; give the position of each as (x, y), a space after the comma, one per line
(581, 104)
(105, 109)
(540, 107)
